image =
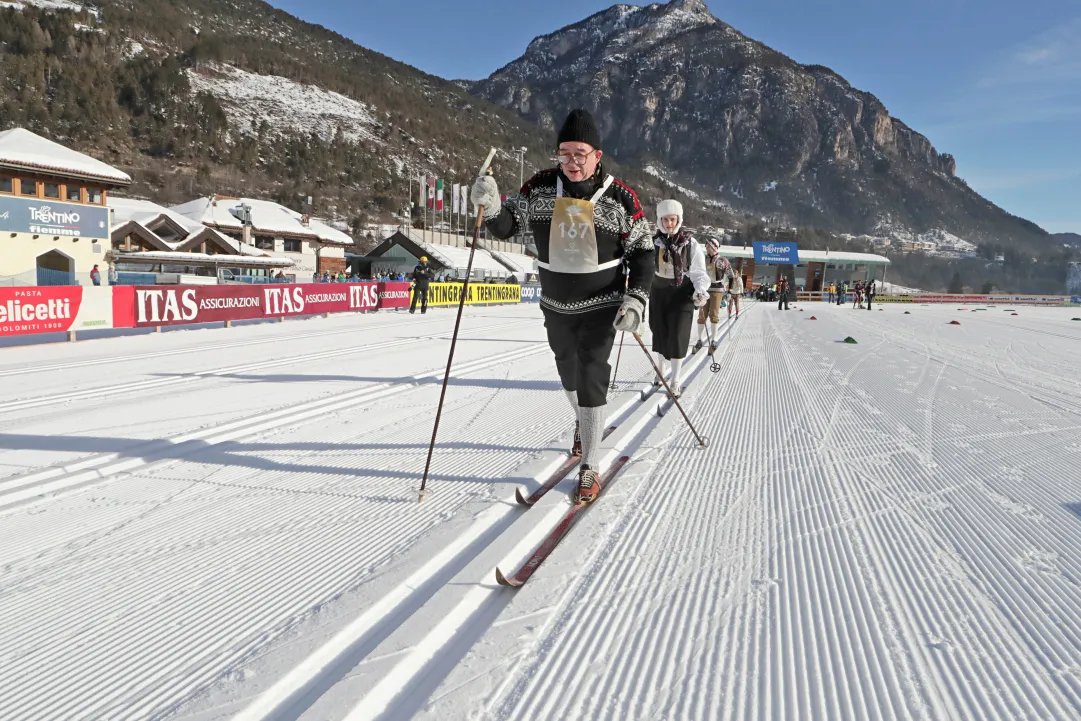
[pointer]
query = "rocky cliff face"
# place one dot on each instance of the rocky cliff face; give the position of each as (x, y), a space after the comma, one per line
(675, 88)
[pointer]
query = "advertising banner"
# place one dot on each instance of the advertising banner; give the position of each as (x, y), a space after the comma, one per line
(531, 294)
(451, 293)
(54, 309)
(176, 305)
(53, 217)
(775, 253)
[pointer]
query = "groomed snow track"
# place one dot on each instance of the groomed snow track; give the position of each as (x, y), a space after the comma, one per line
(881, 530)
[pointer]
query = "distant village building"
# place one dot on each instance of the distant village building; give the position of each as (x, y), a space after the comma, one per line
(53, 216)
(150, 238)
(311, 244)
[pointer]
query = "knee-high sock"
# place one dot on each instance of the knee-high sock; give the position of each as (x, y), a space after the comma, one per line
(661, 362)
(701, 331)
(677, 366)
(715, 327)
(572, 396)
(591, 427)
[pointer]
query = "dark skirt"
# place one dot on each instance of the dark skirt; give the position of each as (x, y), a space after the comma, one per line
(671, 317)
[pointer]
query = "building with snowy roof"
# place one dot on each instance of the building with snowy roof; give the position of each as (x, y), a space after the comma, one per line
(313, 245)
(52, 210)
(147, 237)
(403, 249)
(816, 268)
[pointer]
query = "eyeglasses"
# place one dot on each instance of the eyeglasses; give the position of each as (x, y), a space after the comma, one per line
(574, 158)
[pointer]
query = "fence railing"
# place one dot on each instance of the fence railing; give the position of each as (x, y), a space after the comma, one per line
(46, 277)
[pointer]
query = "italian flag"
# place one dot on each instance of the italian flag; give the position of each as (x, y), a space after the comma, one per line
(439, 194)
(431, 192)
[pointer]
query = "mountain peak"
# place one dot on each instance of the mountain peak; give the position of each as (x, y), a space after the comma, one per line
(695, 7)
(671, 81)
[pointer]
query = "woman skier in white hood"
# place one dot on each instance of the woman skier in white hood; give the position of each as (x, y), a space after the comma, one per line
(680, 285)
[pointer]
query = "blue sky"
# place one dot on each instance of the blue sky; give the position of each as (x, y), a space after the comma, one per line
(995, 82)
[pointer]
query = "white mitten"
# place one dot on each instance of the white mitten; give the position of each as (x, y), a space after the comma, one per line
(485, 192)
(630, 314)
(700, 299)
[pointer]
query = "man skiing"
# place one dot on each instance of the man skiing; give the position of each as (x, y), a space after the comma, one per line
(782, 294)
(721, 278)
(588, 227)
(422, 276)
(680, 285)
(871, 291)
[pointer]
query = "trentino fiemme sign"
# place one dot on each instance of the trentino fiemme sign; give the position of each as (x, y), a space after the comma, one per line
(52, 217)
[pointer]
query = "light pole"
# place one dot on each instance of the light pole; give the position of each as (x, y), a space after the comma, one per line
(520, 152)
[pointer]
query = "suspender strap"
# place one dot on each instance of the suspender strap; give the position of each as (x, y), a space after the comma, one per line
(596, 196)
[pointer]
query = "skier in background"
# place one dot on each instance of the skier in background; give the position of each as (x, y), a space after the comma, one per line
(782, 294)
(422, 276)
(721, 277)
(871, 292)
(588, 228)
(735, 292)
(680, 284)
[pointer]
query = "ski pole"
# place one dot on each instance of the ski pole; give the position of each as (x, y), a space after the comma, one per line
(612, 386)
(454, 336)
(618, 356)
(702, 441)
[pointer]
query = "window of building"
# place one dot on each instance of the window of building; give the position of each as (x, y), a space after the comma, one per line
(263, 242)
(28, 187)
(7, 185)
(93, 196)
(292, 245)
(72, 193)
(52, 190)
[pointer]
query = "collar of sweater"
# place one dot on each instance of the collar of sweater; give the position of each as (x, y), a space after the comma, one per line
(583, 188)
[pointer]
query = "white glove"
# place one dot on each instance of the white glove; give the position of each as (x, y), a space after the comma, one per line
(485, 192)
(700, 299)
(630, 314)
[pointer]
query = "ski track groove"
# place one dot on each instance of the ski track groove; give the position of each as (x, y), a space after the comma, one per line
(136, 458)
(318, 579)
(124, 392)
(841, 530)
(1002, 668)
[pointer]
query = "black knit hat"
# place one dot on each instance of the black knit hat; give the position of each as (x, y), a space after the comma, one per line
(580, 128)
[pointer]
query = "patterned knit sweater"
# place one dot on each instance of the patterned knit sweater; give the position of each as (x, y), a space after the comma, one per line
(622, 232)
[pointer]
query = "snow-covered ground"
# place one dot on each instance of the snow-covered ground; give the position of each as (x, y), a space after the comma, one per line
(230, 526)
(249, 99)
(47, 5)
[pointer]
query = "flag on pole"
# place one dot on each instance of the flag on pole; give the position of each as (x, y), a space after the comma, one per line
(431, 193)
(439, 194)
(420, 204)
(456, 203)
(464, 210)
